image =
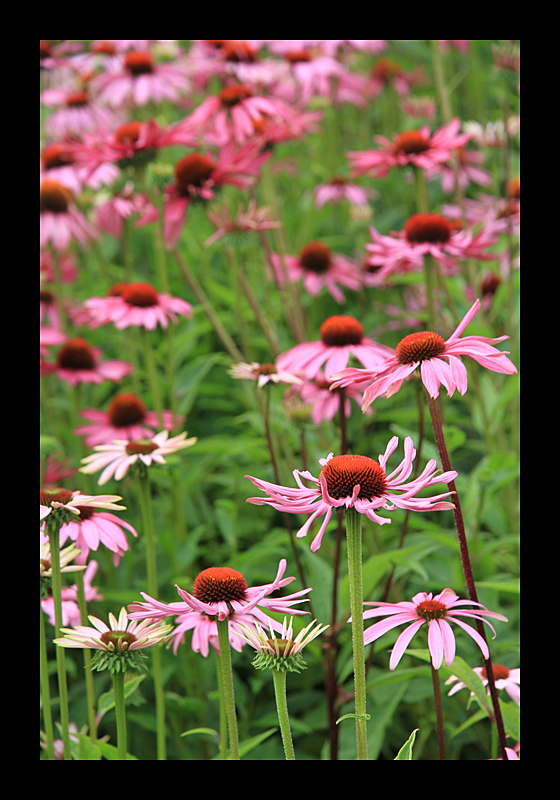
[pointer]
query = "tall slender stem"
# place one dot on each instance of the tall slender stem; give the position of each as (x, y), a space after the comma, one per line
(150, 363)
(45, 688)
(90, 694)
(227, 687)
(223, 717)
(466, 561)
(118, 690)
(439, 713)
(354, 545)
(279, 677)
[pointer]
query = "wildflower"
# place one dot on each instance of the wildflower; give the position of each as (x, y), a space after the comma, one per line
(56, 499)
(137, 304)
(135, 78)
(61, 221)
(79, 362)
(342, 336)
(71, 615)
(439, 362)
(355, 481)
(66, 555)
(467, 169)
(504, 678)
(387, 72)
(125, 418)
(263, 373)
(338, 189)
(253, 219)
(418, 148)
(282, 653)
(116, 459)
(317, 266)
(324, 404)
(221, 593)
(117, 642)
(438, 612)
(75, 112)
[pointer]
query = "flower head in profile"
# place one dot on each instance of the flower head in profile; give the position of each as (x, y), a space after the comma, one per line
(56, 500)
(341, 337)
(284, 653)
(136, 78)
(137, 304)
(250, 220)
(418, 148)
(61, 221)
(504, 678)
(338, 189)
(438, 360)
(117, 642)
(78, 362)
(116, 459)
(263, 373)
(317, 267)
(438, 612)
(221, 593)
(355, 481)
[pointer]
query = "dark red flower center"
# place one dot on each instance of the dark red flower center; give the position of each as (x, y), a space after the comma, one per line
(342, 473)
(499, 672)
(141, 447)
(490, 283)
(86, 512)
(431, 228)
(315, 257)
(126, 409)
(295, 56)
(56, 155)
(57, 495)
(128, 133)
(76, 354)
(193, 170)
(104, 48)
(139, 63)
(431, 609)
(219, 584)
(239, 51)
(232, 95)
(419, 346)
(120, 640)
(54, 197)
(140, 294)
(266, 369)
(410, 143)
(385, 68)
(513, 188)
(77, 99)
(341, 330)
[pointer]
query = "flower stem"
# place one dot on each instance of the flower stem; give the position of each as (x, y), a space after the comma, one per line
(223, 719)
(466, 561)
(45, 689)
(90, 694)
(354, 545)
(52, 530)
(118, 689)
(150, 362)
(227, 687)
(439, 713)
(151, 570)
(279, 677)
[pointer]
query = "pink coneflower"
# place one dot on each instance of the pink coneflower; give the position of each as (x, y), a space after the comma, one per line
(56, 498)
(60, 220)
(387, 72)
(197, 176)
(338, 189)
(220, 593)
(138, 80)
(504, 678)
(419, 148)
(354, 481)
(342, 336)
(325, 405)
(79, 362)
(426, 234)
(137, 304)
(71, 615)
(231, 114)
(438, 612)
(263, 373)
(93, 528)
(317, 267)
(75, 113)
(122, 635)
(116, 459)
(59, 163)
(312, 73)
(467, 170)
(125, 418)
(110, 214)
(439, 361)
(251, 220)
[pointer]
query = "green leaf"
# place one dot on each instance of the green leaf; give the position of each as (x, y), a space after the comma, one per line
(250, 744)
(405, 753)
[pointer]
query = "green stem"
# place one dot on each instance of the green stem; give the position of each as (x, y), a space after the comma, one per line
(118, 689)
(423, 206)
(223, 717)
(354, 545)
(151, 570)
(279, 677)
(150, 363)
(439, 713)
(90, 694)
(227, 687)
(52, 530)
(45, 688)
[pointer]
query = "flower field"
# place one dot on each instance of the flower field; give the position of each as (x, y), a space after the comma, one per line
(279, 452)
